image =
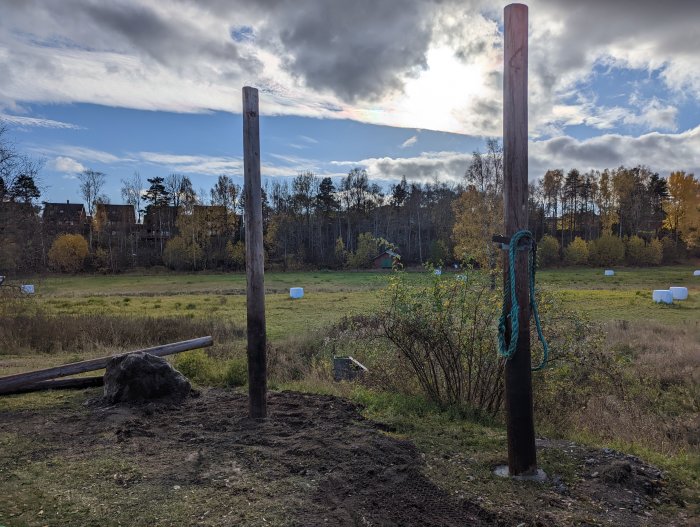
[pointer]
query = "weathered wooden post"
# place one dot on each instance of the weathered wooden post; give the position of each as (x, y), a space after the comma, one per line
(255, 294)
(522, 460)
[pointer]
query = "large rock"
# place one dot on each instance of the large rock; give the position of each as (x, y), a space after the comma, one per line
(139, 377)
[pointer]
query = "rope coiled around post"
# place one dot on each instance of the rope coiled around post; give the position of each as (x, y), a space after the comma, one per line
(507, 351)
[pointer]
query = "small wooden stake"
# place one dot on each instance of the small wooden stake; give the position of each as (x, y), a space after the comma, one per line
(254, 257)
(522, 458)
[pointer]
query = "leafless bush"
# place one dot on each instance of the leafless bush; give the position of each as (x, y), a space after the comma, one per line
(446, 334)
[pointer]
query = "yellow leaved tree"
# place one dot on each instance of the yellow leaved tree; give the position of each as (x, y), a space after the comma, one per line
(683, 208)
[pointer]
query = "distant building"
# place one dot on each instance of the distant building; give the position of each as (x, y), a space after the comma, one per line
(111, 219)
(10, 209)
(385, 260)
(64, 217)
(115, 216)
(159, 222)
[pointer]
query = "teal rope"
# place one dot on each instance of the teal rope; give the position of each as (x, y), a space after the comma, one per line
(509, 290)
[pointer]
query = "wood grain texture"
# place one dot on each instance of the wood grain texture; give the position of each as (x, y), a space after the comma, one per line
(58, 384)
(24, 379)
(522, 458)
(255, 265)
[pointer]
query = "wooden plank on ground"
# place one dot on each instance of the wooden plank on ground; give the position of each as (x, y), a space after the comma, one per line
(19, 380)
(78, 383)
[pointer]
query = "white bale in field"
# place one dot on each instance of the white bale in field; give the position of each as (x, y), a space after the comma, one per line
(662, 296)
(696, 273)
(679, 293)
(438, 272)
(28, 289)
(609, 272)
(296, 292)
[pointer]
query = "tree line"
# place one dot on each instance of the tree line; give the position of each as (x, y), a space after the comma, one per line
(594, 217)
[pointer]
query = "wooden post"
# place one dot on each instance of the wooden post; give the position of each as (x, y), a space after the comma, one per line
(254, 260)
(522, 460)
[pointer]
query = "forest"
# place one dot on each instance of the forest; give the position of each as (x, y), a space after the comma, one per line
(625, 215)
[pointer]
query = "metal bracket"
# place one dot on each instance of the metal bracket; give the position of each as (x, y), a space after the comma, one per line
(524, 245)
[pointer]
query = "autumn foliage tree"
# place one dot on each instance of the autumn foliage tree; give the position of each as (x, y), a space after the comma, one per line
(479, 209)
(683, 208)
(68, 253)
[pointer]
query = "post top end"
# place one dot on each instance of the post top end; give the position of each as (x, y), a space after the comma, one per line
(516, 6)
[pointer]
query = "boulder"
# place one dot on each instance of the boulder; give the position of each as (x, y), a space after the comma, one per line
(139, 377)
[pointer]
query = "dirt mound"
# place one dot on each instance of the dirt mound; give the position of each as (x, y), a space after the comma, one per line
(314, 461)
(140, 377)
(620, 483)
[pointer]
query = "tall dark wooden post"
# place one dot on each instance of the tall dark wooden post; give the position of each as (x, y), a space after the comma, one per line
(522, 460)
(254, 259)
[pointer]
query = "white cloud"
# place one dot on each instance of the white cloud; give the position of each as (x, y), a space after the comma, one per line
(660, 152)
(406, 63)
(84, 154)
(655, 115)
(36, 121)
(194, 164)
(426, 167)
(67, 165)
(409, 142)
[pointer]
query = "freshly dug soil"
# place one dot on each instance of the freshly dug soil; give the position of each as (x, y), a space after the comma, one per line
(354, 473)
(315, 461)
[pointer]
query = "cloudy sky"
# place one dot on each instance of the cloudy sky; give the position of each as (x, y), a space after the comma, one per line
(399, 87)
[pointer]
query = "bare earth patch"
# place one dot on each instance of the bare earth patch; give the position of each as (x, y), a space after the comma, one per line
(314, 461)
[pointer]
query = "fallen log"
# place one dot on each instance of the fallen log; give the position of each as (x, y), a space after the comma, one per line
(19, 380)
(59, 384)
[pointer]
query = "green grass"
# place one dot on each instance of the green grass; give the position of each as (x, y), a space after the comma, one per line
(201, 283)
(284, 316)
(330, 295)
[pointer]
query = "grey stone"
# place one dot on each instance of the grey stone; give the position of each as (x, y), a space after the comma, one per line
(140, 377)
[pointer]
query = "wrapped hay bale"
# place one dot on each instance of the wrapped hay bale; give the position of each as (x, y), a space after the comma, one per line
(609, 272)
(662, 296)
(679, 293)
(296, 292)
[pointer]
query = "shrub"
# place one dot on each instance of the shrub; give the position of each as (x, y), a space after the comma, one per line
(235, 254)
(639, 253)
(182, 253)
(446, 333)
(577, 252)
(368, 247)
(195, 365)
(606, 250)
(653, 254)
(341, 255)
(236, 373)
(548, 251)
(68, 253)
(670, 251)
(634, 251)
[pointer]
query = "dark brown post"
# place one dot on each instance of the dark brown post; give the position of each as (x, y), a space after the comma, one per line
(254, 262)
(522, 460)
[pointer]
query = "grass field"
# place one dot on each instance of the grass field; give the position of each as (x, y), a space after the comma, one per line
(330, 295)
(661, 339)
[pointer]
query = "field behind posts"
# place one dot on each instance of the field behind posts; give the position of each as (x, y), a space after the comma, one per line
(74, 318)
